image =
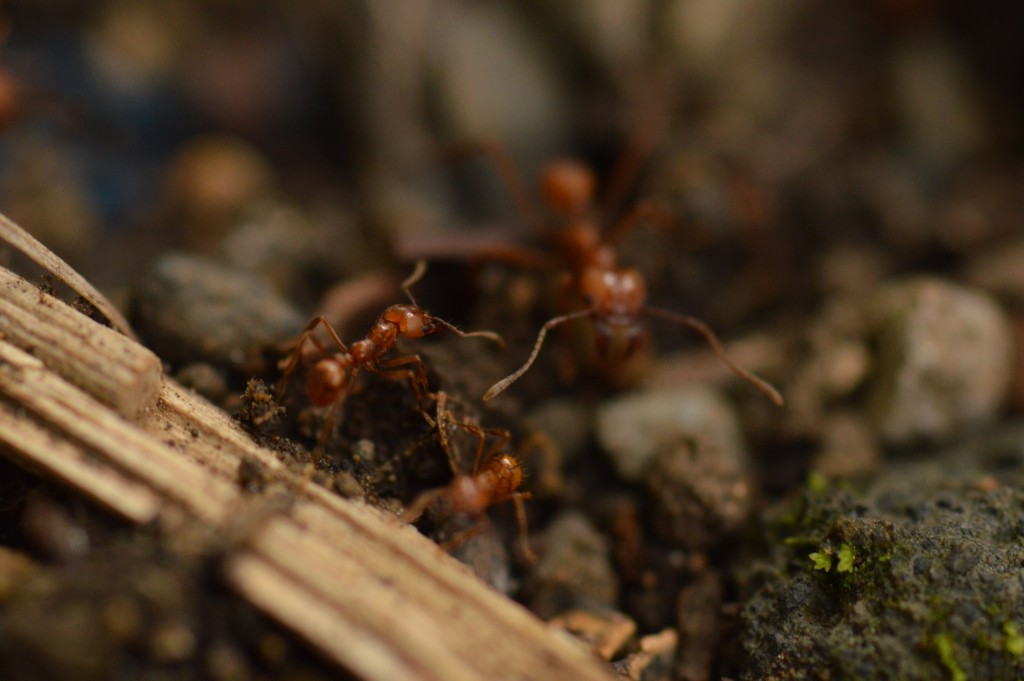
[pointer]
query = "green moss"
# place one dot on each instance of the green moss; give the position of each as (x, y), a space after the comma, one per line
(817, 483)
(847, 555)
(1014, 641)
(822, 560)
(944, 647)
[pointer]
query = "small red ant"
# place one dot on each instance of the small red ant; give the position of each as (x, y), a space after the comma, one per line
(331, 377)
(613, 297)
(495, 477)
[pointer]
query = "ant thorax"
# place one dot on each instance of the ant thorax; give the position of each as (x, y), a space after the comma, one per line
(581, 245)
(468, 495)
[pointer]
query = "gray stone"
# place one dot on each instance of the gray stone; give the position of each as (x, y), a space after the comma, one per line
(631, 428)
(191, 308)
(945, 356)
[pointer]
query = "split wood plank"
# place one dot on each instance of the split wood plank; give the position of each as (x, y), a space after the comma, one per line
(42, 450)
(111, 367)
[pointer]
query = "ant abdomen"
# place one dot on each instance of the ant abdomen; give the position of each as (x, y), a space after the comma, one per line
(325, 381)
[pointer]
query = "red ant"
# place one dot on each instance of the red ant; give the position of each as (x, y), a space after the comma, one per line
(613, 297)
(331, 377)
(495, 477)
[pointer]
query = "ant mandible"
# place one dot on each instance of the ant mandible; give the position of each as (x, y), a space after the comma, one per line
(614, 298)
(495, 477)
(331, 377)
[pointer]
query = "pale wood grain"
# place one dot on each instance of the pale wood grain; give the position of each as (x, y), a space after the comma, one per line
(109, 366)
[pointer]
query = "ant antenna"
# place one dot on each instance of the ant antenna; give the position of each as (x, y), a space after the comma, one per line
(700, 327)
(489, 335)
(417, 273)
(504, 383)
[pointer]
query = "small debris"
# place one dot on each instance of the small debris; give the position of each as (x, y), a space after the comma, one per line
(654, 660)
(605, 632)
(260, 410)
(252, 475)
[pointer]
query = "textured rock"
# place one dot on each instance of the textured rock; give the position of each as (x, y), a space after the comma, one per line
(631, 428)
(574, 570)
(944, 360)
(191, 308)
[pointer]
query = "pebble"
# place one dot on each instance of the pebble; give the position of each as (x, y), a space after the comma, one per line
(574, 569)
(631, 428)
(701, 493)
(944, 360)
(191, 308)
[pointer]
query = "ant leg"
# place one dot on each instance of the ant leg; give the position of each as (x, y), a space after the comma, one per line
(465, 535)
(420, 504)
(643, 210)
(444, 419)
(416, 376)
(507, 170)
(502, 436)
(504, 383)
(296, 353)
(524, 539)
(328, 427)
(703, 329)
(624, 174)
(549, 478)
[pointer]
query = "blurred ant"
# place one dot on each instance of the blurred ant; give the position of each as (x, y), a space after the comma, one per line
(613, 297)
(331, 377)
(495, 477)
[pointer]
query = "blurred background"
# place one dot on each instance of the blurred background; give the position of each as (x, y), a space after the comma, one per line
(804, 147)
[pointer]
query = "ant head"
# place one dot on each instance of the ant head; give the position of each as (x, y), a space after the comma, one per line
(412, 321)
(617, 298)
(568, 187)
(325, 381)
(509, 473)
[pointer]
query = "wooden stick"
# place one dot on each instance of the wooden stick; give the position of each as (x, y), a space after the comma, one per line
(27, 244)
(71, 413)
(36, 448)
(109, 366)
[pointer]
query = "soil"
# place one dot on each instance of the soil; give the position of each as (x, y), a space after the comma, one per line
(838, 192)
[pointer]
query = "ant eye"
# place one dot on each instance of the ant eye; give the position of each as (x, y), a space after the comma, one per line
(428, 327)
